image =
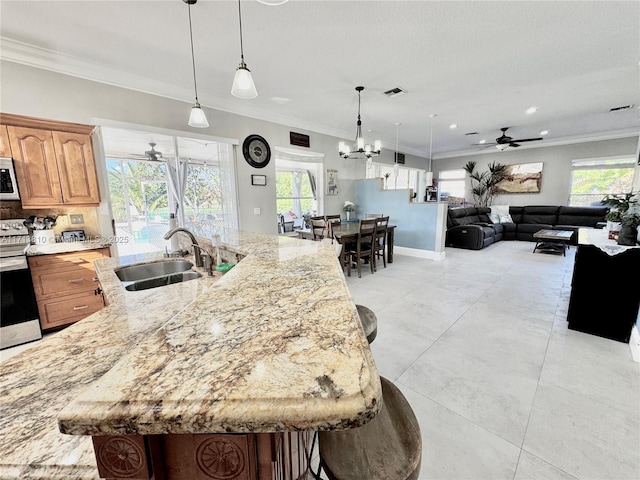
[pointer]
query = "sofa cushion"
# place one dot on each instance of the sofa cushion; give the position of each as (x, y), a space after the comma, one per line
(581, 216)
(516, 214)
(494, 217)
(540, 214)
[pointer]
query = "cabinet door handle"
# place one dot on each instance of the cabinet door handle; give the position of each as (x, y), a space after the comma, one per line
(81, 307)
(76, 280)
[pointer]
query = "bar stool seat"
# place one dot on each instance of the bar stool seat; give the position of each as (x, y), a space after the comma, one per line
(389, 447)
(369, 322)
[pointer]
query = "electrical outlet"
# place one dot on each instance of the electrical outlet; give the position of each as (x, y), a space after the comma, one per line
(76, 219)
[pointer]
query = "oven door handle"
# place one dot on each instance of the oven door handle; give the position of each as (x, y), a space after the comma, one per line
(8, 264)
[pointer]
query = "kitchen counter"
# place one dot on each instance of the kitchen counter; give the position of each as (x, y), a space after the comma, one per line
(66, 247)
(273, 345)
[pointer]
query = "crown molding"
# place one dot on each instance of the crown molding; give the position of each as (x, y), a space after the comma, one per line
(42, 58)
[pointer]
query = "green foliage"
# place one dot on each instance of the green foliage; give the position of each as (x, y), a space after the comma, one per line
(483, 184)
(620, 205)
(630, 220)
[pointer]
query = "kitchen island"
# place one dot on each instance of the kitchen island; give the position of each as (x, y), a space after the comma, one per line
(275, 345)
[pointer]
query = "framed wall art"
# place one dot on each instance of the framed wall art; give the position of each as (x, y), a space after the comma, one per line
(522, 178)
(332, 182)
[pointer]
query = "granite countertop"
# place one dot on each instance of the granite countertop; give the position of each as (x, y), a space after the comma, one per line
(66, 247)
(273, 345)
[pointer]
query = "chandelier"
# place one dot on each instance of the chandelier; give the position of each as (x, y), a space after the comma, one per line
(359, 149)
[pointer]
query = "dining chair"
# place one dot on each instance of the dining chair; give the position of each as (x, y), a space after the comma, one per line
(363, 249)
(380, 243)
(318, 226)
(332, 221)
(372, 215)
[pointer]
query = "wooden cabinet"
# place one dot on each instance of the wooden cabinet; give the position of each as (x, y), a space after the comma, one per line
(5, 149)
(66, 286)
(54, 162)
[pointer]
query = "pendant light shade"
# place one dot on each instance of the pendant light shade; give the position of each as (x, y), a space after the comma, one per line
(197, 118)
(243, 86)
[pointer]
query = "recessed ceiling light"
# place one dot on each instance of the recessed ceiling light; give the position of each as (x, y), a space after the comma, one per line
(482, 141)
(544, 132)
(531, 110)
(453, 125)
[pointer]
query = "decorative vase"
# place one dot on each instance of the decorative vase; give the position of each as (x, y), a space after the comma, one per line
(348, 215)
(627, 236)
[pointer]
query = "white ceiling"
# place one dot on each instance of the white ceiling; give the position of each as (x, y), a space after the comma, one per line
(479, 64)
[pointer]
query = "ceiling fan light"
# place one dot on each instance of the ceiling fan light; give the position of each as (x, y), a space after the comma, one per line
(197, 118)
(243, 86)
(502, 147)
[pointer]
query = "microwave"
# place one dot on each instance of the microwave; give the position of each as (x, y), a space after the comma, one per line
(8, 184)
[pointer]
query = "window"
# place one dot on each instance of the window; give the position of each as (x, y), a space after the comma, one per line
(592, 179)
(297, 191)
(189, 177)
(451, 183)
(407, 177)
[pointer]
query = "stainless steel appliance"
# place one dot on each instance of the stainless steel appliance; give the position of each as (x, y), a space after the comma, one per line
(19, 321)
(8, 184)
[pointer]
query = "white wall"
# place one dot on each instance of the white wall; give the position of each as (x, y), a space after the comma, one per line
(40, 93)
(556, 169)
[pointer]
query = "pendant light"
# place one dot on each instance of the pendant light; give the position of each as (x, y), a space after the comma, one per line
(429, 174)
(396, 166)
(359, 147)
(243, 86)
(197, 118)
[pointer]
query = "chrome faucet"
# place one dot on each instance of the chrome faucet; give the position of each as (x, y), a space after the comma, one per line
(194, 242)
(207, 261)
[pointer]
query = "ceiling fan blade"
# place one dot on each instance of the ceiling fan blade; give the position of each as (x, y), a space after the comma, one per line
(512, 144)
(486, 144)
(527, 139)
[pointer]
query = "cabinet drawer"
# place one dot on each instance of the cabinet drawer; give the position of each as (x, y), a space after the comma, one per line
(67, 260)
(57, 313)
(65, 282)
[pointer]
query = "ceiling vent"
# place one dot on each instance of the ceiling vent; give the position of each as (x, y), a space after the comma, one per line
(394, 92)
(618, 109)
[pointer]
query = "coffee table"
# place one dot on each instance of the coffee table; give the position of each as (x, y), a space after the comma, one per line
(552, 241)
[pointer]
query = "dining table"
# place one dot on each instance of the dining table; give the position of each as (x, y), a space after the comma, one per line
(346, 232)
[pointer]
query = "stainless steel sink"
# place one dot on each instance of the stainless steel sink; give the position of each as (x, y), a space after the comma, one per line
(163, 280)
(142, 271)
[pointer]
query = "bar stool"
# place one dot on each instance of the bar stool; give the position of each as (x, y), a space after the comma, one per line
(369, 322)
(389, 447)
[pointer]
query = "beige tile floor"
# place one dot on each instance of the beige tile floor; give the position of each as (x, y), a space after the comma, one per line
(479, 345)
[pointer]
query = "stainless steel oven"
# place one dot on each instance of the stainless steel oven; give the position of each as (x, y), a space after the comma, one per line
(8, 184)
(19, 322)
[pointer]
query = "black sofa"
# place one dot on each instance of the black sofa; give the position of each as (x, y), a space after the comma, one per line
(471, 227)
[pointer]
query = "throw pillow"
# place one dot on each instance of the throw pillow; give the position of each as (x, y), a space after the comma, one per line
(505, 218)
(500, 209)
(494, 217)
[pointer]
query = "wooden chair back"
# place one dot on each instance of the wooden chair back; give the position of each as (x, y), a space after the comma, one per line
(380, 245)
(364, 246)
(318, 226)
(372, 215)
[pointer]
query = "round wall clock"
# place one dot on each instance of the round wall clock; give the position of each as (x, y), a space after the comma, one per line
(256, 151)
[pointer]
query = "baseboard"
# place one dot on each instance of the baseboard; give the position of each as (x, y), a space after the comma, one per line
(634, 343)
(416, 252)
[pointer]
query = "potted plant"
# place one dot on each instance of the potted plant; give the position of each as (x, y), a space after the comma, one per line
(484, 185)
(629, 230)
(619, 204)
(348, 208)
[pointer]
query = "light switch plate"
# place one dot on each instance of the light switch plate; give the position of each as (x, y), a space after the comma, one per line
(77, 219)
(256, 211)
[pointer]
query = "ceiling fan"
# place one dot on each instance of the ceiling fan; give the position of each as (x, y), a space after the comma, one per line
(153, 154)
(505, 141)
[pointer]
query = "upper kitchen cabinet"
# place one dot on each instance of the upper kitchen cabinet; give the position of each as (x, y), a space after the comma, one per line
(54, 162)
(5, 149)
